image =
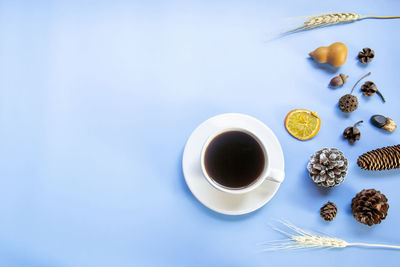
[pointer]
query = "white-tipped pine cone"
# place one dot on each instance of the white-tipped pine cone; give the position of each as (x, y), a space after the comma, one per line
(328, 167)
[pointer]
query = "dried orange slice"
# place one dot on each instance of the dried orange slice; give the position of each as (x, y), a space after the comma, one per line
(302, 124)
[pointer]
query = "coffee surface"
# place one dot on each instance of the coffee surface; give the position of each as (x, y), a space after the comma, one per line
(234, 159)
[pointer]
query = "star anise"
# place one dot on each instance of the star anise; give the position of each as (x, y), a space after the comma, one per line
(366, 55)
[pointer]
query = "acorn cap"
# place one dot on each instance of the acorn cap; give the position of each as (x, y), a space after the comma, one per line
(344, 77)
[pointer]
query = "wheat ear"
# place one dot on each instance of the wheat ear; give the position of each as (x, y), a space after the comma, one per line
(299, 238)
(324, 20)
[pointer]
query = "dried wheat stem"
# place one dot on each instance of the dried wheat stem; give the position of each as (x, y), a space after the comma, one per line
(374, 245)
(380, 17)
(324, 20)
(305, 239)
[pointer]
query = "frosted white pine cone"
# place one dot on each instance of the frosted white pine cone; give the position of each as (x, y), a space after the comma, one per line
(328, 167)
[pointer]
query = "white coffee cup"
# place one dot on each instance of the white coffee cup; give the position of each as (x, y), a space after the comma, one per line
(267, 173)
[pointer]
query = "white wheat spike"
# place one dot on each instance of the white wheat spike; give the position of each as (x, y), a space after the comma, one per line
(324, 20)
(299, 238)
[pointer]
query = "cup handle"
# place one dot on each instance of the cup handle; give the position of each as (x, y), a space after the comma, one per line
(276, 175)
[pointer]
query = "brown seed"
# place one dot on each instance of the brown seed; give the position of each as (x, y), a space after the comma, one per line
(390, 125)
(338, 80)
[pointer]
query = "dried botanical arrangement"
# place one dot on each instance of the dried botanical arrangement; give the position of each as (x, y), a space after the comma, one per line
(328, 167)
(330, 19)
(302, 239)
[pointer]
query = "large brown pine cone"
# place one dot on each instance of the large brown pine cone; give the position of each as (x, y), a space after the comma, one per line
(370, 207)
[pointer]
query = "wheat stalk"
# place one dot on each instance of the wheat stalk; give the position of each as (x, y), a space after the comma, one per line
(306, 239)
(324, 20)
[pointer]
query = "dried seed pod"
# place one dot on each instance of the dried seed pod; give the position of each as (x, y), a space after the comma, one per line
(348, 103)
(369, 89)
(384, 123)
(338, 80)
(352, 134)
(366, 55)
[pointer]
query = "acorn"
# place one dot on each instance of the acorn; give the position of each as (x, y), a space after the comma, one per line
(338, 80)
(384, 123)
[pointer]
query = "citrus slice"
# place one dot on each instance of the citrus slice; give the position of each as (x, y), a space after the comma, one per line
(302, 124)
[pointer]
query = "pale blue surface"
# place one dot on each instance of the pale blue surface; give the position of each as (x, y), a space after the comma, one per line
(98, 98)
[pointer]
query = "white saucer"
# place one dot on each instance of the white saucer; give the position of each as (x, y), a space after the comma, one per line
(217, 200)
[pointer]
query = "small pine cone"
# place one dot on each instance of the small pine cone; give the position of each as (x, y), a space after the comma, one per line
(327, 167)
(385, 158)
(328, 211)
(369, 207)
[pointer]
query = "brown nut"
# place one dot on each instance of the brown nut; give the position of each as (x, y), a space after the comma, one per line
(338, 80)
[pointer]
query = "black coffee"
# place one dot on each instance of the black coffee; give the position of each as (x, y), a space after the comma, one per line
(234, 159)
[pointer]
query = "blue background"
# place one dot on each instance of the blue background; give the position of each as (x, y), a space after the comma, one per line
(97, 100)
